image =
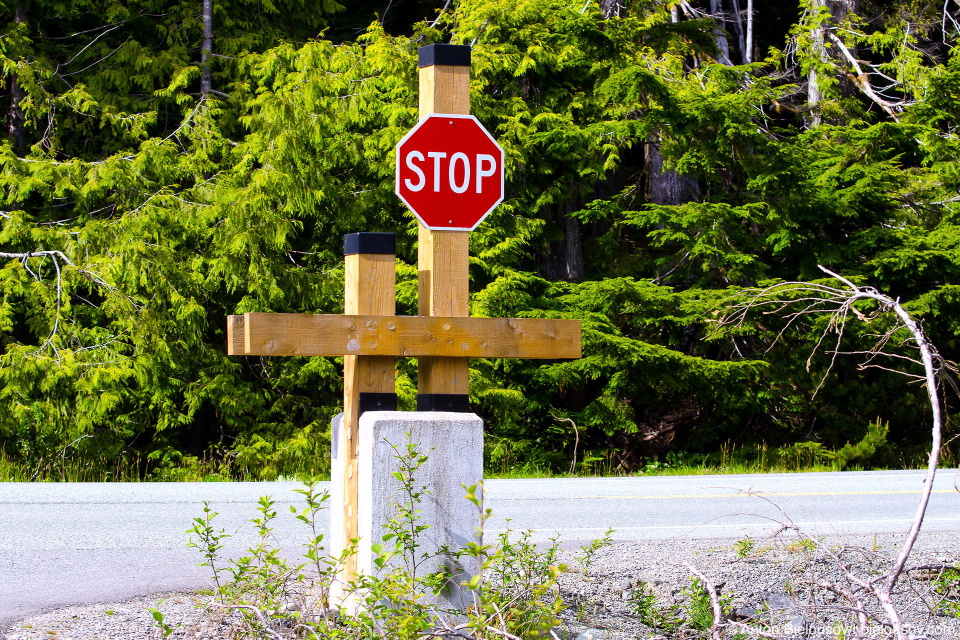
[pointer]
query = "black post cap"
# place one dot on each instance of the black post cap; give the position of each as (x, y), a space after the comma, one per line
(454, 55)
(377, 402)
(382, 243)
(455, 402)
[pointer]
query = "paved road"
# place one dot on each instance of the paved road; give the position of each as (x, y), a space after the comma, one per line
(725, 506)
(63, 544)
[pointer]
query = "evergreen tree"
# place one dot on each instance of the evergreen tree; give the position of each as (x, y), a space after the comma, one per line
(159, 173)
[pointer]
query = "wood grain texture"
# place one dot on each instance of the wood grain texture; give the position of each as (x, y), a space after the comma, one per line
(236, 337)
(370, 284)
(444, 89)
(424, 269)
(440, 375)
(294, 334)
(444, 283)
(369, 288)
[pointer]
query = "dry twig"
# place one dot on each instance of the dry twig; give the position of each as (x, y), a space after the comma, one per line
(839, 303)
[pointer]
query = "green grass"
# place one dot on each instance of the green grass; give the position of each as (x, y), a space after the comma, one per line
(134, 468)
(802, 457)
(524, 472)
(799, 458)
(71, 469)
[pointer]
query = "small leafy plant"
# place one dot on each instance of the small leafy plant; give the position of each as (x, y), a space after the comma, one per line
(208, 541)
(699, 613)
(808, 545)
(160, 619)
(589, 551)
(643, 602)
(745, 546)
(946, 587)
(405, 528)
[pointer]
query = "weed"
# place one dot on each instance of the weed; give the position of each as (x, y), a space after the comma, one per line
(308, 516)
(589, 551)
(208, 541)
(512, 591)
(946, 586)
(803, 545)
(643, 602)
(514, 576)
(699, 612)
(745, 547)
(405, 528)
(158, 616)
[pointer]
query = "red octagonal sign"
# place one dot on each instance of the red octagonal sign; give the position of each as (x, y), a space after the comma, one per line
(450, 172)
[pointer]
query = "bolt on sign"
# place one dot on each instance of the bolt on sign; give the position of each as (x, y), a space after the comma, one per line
(450, 174)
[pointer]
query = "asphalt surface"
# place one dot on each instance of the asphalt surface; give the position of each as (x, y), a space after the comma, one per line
(65, 544)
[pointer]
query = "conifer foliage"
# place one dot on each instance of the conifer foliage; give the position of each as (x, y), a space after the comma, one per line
(147, 195)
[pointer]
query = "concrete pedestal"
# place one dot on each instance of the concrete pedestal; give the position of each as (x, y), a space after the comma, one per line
(453, 444)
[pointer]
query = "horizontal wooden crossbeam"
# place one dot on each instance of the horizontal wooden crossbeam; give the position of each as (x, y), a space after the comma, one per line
(294, 334)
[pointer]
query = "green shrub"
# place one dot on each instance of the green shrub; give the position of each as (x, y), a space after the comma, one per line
(513, 591)
(872, 451)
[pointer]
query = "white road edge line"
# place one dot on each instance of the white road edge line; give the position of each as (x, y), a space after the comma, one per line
(841, 523)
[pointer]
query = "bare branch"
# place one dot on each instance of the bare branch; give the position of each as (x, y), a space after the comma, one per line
(816, 298)
(576, 442)
(56, 255)
(864, 81)
(265, 628)
(863, 367)
(442, 11)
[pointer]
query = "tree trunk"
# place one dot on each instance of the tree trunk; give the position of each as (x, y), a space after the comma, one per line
(738, 28)
(839, 10)
(206, 83)
(611, 8)
(563, 259)
(15, 119)
(573, 266)
(716, 10)
(748, 54)
(667, 186)
(813, 88)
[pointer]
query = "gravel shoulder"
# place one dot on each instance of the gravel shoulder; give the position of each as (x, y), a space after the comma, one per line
(601, 605)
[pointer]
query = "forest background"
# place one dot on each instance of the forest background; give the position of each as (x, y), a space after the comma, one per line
(167, 163)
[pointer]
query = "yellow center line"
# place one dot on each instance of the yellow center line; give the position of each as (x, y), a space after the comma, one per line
(756, 494)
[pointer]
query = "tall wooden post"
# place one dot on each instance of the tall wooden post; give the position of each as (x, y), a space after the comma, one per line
(369, 382)
(444, 283)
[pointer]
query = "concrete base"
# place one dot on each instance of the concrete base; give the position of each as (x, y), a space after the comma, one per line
(453, 444)
(337, 502)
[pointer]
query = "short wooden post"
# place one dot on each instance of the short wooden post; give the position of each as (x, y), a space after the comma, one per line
(369, 382)
(444, 283)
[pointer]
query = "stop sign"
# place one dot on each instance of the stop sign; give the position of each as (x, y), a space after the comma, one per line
(450, 172)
